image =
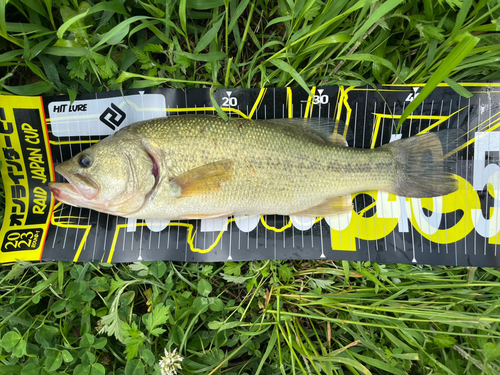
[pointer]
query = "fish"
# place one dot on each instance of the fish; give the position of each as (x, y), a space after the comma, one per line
(201, 166)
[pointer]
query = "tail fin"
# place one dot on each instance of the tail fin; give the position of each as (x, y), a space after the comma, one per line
(425, 172)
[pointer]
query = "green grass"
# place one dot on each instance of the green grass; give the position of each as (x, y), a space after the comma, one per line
(249, 318)
(256, 317)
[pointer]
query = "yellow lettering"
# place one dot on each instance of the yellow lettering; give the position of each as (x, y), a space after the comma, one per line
(27, 127)
(365, 228)
(39, 190)
(374, 228)
(464, 199)
(39, 207)
(31, 135)
(39, 203)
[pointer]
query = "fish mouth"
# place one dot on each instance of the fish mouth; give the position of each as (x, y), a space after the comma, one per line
(78, 188)
(64, 192)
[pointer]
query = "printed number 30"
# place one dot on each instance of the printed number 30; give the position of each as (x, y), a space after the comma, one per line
(320, 99)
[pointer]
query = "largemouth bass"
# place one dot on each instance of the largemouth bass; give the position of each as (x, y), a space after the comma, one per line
(198, 166)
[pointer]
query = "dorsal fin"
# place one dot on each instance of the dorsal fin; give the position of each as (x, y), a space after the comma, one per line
(333, 131)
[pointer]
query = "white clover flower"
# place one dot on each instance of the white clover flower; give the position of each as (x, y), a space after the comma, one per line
(170, 363)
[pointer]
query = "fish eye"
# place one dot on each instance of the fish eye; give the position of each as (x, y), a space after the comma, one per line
(84, 161)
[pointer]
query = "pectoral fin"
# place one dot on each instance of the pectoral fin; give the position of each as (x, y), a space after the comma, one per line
(331, 207)
(338, 140)
(204, 180)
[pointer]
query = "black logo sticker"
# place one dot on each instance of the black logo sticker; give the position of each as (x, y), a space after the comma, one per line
(113, 117)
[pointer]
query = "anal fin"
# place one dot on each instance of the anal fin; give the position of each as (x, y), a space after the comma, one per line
(205, 216)
(331, 207)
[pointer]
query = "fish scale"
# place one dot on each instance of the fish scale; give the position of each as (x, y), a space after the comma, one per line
(270, 167)
(285, 170)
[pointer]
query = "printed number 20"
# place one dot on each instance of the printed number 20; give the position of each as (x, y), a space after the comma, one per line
(229, 102)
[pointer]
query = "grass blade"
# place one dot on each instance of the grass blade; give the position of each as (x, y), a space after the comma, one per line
(455, 57)
(8, 56)
(239, 11)
(117, 32)
(382, 11)
(182, 15)
(126, 76)
(369, 58)
(209, 36)
(270, 347)
(31, 89)
(346, 361)
(460, 90)
(210, 56)
(112, 6)
(67, 51)
(285, 67)
(379, 364)
(204, 4)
